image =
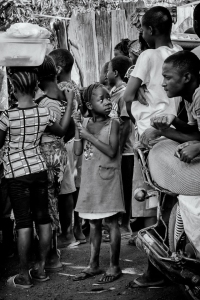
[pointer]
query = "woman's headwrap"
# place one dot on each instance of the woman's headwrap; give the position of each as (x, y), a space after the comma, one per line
(135, 47)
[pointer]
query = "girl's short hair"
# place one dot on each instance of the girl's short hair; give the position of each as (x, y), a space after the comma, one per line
(159, 18)
(48, 69)
(63, 58)
(86, 94)
(24, 81)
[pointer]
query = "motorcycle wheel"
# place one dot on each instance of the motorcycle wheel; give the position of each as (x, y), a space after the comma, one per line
(172, 245)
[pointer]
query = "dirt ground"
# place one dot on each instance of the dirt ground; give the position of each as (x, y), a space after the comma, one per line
(62, 287)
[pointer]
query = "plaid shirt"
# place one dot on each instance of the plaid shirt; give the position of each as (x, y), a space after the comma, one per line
(24, 128)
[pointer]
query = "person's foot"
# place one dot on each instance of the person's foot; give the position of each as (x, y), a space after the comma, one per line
(22, 280)
(64, 241)
(39, 275)
(126, 231)
(147, 280)
(87, 273)
(79, 236)
(112, 274)
(53, 263)
(132, 241)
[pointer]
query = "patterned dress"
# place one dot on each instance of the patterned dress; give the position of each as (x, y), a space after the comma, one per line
(55, 155)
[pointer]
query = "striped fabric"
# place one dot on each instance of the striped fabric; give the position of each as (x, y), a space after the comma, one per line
(55, 106)
(24, 128)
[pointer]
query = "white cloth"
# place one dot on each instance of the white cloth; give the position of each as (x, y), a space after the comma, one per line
(96, 216)
(193, 109)
(190, 213)
(196, 51)
(148, 68)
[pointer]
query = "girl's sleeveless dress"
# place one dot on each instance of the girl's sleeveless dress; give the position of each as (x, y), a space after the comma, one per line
(101, 193)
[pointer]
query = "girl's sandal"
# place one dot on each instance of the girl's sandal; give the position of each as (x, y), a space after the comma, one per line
(34, 275)
(107, 278)
(86, 274)
(11, 283)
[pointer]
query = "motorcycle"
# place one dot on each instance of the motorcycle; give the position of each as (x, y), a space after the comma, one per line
(166, 243)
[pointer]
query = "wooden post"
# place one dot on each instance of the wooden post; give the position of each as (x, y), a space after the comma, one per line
(119, 27)
(61, 33)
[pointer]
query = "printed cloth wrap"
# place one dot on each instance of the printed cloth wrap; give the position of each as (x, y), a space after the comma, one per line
(55, 156)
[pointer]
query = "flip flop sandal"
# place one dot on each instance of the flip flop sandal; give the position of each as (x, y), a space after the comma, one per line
(54, 269)
(83, 241)
(11, 283)
(126, 236)
(149, 284)
(84, 275)
(38, 278)
(110, 278)
(68, 245)
(74, 244)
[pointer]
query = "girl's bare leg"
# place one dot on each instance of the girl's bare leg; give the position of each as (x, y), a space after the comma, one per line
(115, 244)
(95, 243)
(45, 235)
(24, 246)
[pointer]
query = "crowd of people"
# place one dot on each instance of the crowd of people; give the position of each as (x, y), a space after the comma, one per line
(68, 156)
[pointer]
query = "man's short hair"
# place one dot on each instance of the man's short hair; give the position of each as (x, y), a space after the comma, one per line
(185, 61)
(121, 64)
(159, 18)
(63, 58)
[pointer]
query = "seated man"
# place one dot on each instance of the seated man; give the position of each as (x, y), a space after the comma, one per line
(181, 78)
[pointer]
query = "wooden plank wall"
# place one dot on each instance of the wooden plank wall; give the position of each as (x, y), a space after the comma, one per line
(93, 36)
(104, 38)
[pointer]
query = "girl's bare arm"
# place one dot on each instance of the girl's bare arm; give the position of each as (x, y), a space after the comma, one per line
(60, 129)
(130, 94)
(78, 143)
(108, 149)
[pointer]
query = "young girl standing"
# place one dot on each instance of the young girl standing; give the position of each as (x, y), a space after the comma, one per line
(100, 195)
(26, 171)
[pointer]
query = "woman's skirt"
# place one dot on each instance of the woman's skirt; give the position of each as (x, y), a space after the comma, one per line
(55, 156)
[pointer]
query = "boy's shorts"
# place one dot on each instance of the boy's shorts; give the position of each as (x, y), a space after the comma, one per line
(5, 205)
(68, 182)
(29, 199)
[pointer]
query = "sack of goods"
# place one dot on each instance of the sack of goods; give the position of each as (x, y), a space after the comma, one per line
(23, 44)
